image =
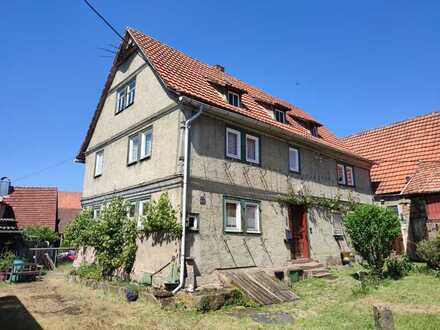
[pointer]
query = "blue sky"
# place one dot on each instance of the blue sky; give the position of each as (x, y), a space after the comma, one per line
(352, 64)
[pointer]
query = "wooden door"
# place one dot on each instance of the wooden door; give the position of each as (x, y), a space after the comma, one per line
(299, 244)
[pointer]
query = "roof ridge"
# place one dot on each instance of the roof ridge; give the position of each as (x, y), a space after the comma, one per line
(34, 187)
(226, 74)
(418, 117)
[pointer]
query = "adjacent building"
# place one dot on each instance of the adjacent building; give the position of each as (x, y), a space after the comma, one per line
(406, 173)
(224, 151)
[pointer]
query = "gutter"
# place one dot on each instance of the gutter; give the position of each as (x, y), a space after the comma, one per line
(185, 191)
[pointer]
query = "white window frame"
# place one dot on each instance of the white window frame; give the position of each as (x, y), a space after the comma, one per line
(283, 115)
(196, 217)
(238, 225)
(141, 207)
(233, 96)
(144, 134)
(96, 212)
(298, 166)
(238, 134)
(257, 219)
(99, 163)
(343, 174)
(133, 158)
(131, 204)
(352, 175)
(257, 148)
(125, 95)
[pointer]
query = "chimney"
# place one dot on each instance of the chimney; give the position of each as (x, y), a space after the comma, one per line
(219, 67)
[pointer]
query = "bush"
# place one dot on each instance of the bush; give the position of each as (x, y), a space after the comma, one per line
(429, 251)
(79, 232)
(37, 235)
(88, 271)
(372, 230)
(6, 259)
(398, 266)
(160, 220)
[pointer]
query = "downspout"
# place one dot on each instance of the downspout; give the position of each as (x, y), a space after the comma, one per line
(184, 195)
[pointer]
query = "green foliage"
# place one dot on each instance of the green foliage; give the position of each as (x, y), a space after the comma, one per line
(114, 238)
(112, 235)
(398, 267)
(237, 298)
(160, 220)
(88, 271)
(6, 259)
(36, 235)
(79, 232)
(429, 251)
(334, 203)
(372, 230)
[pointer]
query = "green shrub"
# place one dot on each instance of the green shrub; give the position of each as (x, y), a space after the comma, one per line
(160, 220)
(398, 266)
(237, 298)
(372, 230)
(429, 251)
(6, 259)
(36, 235)
(88, 271)
(79, 232)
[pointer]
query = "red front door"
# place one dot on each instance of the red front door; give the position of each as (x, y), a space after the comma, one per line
(299, 244)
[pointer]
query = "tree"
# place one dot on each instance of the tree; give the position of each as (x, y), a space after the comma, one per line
(372, 230)
(37, 235)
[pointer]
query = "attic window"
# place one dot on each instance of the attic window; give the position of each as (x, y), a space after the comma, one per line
(125, 96)
(234, 99)
(280, 116)
(314, 131)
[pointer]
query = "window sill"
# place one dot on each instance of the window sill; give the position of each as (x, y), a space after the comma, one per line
(254, 232)
(234, 231)
(145, 158)
(132, 163)
(97, 176)
(128, 106)
(239, 160)
(294, 172)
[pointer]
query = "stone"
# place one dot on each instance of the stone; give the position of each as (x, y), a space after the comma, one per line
(383, 317)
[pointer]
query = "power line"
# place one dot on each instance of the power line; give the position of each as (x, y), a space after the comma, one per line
(103, 19)
(43, 170)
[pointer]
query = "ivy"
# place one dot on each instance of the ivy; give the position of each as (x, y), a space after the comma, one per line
(160, 220)
(304, 198)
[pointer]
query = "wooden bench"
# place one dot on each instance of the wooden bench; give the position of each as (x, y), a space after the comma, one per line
(27, 270)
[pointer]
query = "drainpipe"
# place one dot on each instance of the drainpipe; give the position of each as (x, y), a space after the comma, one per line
(184, 195)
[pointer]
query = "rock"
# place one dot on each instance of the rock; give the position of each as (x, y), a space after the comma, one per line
(383, 317)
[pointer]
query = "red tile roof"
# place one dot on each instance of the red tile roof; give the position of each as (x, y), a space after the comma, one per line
(397, 149)
(69, 206)
(425, 180)
(190, 77)
(33, 206)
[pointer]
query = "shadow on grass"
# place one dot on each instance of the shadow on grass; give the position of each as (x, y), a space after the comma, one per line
(15, 316)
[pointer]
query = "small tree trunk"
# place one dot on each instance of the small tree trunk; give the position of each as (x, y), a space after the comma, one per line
(383, 317)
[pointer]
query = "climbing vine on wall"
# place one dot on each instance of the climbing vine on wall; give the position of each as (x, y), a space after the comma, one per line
(335, 203)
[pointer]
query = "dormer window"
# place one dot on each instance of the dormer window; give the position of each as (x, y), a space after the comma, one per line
(280, 116)
(314, 131)
(234, 99)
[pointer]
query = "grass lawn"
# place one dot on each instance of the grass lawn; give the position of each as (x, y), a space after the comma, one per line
(324, 304)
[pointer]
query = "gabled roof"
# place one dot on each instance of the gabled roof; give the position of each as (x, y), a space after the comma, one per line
(398, 149)
(425, 180)
(33, 206)
(183, 75)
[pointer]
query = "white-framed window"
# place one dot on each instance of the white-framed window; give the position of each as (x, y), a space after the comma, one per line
(99, 162)
(349, 176)
(252, 149)
(233, 143)
(314, 131)
(233, 99)
(96, 212)
(294, 159)
(232, 215)
(133, 148)
(193, 221)
(142, 211)
(280, 116)
(146, 143)
(340, 171)
(131, 210)
(252, 217)
(131, 87)
(125, 95)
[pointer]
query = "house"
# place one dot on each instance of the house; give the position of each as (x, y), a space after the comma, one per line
(68, 207)
(406, 173)
(22, 207)
(224, 151)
